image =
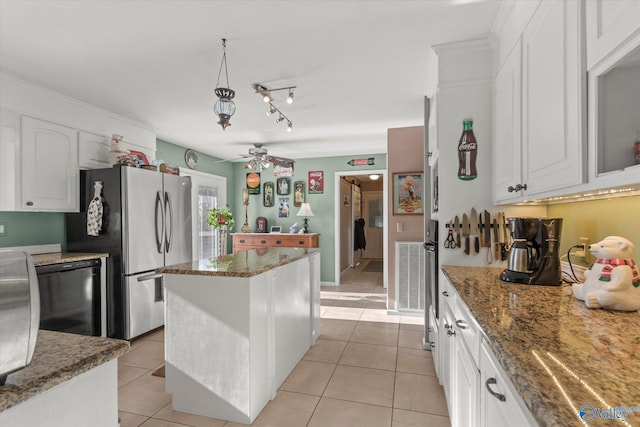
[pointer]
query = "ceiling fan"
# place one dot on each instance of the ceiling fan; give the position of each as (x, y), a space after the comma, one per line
(260, 159)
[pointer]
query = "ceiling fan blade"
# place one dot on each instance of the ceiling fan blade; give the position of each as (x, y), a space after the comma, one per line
(281, 161)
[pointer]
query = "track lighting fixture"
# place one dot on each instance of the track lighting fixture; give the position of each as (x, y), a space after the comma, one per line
(224, 106)
(267, 97)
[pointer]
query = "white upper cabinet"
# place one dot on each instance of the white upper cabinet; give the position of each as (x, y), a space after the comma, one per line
(540, 109)
(507, 165)
(553, 98)
(609, 24)
(49, 164)
(94, 151)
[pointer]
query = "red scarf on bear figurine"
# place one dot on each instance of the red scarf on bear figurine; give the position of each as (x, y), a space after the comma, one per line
(611, 263)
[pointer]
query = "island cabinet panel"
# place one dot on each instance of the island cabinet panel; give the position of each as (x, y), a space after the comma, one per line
(233, 337)
(248, 241)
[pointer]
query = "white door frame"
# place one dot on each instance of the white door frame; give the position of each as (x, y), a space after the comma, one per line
(202, 178)
(336, 218)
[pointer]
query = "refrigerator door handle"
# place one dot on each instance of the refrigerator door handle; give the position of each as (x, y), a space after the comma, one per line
(159, 226)
(169, 222)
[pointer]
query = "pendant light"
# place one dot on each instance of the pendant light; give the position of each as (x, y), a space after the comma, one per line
(224, 106)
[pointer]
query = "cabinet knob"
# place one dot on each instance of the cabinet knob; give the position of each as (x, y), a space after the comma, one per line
(498, 396)
(518, 187)
(445, 293)
(29, 203)
(278, 242)
(432, 344)
(451, 332)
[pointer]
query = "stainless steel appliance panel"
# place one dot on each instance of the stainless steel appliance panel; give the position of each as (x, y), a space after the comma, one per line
(19, 311)
(142, 220)
(177, 208)
(71, 297)
(145, 308)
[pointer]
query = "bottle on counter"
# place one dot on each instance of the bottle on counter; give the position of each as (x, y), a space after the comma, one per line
(467, 152)
(636, 149)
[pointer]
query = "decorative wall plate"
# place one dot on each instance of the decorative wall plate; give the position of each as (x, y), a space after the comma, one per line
(191, 158)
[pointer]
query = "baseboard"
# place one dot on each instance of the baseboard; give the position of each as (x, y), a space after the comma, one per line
(328, 283)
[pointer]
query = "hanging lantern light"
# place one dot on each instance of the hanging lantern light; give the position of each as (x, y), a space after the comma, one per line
(224, 106)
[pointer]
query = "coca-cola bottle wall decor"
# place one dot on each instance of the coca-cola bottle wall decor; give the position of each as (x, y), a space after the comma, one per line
(467, 152)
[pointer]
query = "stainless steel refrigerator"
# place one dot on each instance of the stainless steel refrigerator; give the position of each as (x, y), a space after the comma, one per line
(146, 224)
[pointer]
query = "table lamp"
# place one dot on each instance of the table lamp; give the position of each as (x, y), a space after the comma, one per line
(305, 211)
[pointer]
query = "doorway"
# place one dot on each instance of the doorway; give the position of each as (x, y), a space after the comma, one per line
(371, 200)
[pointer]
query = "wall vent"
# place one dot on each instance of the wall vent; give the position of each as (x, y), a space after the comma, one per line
(410, 276)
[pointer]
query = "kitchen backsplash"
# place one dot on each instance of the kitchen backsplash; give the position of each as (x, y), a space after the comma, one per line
(32, 228)
(597, 219)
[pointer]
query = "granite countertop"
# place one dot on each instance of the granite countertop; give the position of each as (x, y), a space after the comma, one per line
(58, 357)
(241, 264)
(559, 354)
(62, 257)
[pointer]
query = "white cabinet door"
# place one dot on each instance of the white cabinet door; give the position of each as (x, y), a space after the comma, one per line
(553, 107)
(507, 164)
(9, 160)
(93, 151)
(446, 343)
(609, 23)
(50, 177)
(499, 405)
(465, 386)
(434, 333)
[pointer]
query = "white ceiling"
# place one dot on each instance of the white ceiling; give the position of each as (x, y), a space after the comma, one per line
(360, 67)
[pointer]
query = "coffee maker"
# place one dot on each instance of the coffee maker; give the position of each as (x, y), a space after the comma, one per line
(534, 258)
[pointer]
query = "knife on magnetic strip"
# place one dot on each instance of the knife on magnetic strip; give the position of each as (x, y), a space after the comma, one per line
(458, 231)
(473, 225)
(465, 232)
(486, 224)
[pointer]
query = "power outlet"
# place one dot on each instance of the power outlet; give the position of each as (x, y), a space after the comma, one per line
(584, 241)
(3, 228)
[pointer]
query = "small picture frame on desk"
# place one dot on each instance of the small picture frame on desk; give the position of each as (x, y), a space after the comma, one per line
(276, 229)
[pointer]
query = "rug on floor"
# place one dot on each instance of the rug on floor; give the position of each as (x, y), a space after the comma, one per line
(159, 372)
(373, 267)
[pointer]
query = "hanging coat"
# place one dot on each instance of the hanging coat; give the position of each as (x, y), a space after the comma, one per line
(359, 241)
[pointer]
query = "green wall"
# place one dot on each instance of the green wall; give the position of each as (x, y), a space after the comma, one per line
(596, 220)
(33, 228)
(321, 204)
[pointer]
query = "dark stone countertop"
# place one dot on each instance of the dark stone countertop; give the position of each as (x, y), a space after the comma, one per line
(58, 357)
(559, 354)
(241, 264)
(62, 257)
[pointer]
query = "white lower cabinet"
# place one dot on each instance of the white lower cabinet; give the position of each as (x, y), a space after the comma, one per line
(466, 386)
(499, 405)
(477, 390)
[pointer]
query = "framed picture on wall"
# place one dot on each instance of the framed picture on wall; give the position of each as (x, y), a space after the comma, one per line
(298, 193)
(253, 182)
(268, 195)
(316, 182)
(407, 193)
(284, 186)
(283, 207)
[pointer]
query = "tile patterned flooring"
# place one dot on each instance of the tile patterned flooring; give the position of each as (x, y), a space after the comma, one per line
(367, 369)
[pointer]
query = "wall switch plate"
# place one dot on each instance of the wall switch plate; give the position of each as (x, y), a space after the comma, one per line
(399, 227)
(3, 228)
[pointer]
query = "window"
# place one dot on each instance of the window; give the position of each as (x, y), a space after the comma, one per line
(208, 237)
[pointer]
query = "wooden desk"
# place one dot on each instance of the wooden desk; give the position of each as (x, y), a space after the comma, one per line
(246, 241)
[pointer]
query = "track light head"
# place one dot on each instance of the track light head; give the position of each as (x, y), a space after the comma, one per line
(290, 97)
(267, 97)
(289, 126)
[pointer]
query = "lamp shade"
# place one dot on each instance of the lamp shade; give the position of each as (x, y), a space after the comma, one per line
(305, 210)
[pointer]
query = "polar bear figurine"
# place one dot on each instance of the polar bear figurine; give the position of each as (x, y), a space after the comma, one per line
(612, 282)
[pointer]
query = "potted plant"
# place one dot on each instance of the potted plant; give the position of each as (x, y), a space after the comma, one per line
(221, 217)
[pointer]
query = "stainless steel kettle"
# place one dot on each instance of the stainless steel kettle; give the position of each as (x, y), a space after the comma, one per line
(19, 311)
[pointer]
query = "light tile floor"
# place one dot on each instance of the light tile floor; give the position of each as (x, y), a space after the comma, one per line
(367, 369)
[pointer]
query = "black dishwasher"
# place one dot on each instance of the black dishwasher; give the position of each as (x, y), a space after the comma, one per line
(70, 297)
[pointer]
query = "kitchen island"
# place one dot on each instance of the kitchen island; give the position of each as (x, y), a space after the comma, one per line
(236, 326)
(72, 381)
(561, 356)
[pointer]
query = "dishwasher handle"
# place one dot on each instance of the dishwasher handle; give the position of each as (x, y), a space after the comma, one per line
(67, 266)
